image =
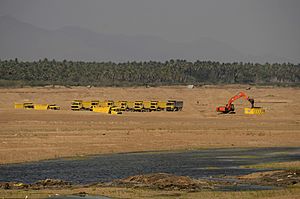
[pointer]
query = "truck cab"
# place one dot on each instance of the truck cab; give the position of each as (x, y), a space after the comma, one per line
(76, 105)
(138, 106)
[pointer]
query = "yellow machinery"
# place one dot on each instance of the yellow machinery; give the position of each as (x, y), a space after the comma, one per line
(86, 105)
(150, 105)
(41, 106)
(130, 106)
(19, 106)
(30, 105)
(254, 111)
(170, 106)
(138, 106)
(154, 106)
(115, 110)
(94, 103)
(162, 105)
(24, 105)
(100, 109)
(174, 105)
(121, 104)
(53, 107)
(147, 105)
(106, 103)
(107, 109)
(76, 105)
(46, 107)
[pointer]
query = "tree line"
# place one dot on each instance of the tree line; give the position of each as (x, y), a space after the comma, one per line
(152, 73)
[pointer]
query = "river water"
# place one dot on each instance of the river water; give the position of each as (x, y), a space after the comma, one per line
(208, 163)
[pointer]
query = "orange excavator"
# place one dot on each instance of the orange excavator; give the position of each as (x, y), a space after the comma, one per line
(229, 107)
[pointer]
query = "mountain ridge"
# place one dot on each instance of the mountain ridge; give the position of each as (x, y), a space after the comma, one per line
(28, 42)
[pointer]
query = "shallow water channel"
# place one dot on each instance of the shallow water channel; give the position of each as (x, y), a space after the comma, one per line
(208, 163)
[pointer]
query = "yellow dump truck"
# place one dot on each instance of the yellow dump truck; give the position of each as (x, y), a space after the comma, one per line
(130, 106)
(106, 103)
(24, 105)
(170, 105)
(138, 106)
(40, 106)
(107, 109)
(76, 105)
(150, 105)
(94, 103)
(162, 105)
(53, 107)
(115, 110)
(121, 104)
(147, 105)
(174, 105)
(28, 105)
(88, 105)
(46, 107)
(154, 106)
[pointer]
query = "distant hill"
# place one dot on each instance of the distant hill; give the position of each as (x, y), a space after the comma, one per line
(28, 42)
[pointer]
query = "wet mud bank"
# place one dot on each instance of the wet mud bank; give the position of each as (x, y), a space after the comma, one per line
(163, 181)
(212, 169)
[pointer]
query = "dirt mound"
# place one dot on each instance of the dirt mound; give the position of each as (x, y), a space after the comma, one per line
(273, 178)
(13, 185)
(51, 183)
(163, 181)
(47, 183)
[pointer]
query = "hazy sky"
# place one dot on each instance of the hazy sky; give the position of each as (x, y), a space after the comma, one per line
(257, 27)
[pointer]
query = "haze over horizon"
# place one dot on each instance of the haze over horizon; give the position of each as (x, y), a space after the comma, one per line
(159, 30)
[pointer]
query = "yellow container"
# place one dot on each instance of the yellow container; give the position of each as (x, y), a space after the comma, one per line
(121, 104)
(254, 111)
(41, 106)
(19, 106)
(100, 109)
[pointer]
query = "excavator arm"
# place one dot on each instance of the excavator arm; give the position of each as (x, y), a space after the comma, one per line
(229, 107)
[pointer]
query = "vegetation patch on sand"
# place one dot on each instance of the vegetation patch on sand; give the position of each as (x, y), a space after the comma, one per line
(140, 193)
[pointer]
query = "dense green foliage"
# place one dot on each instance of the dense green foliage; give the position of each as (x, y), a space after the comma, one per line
(42, 72)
